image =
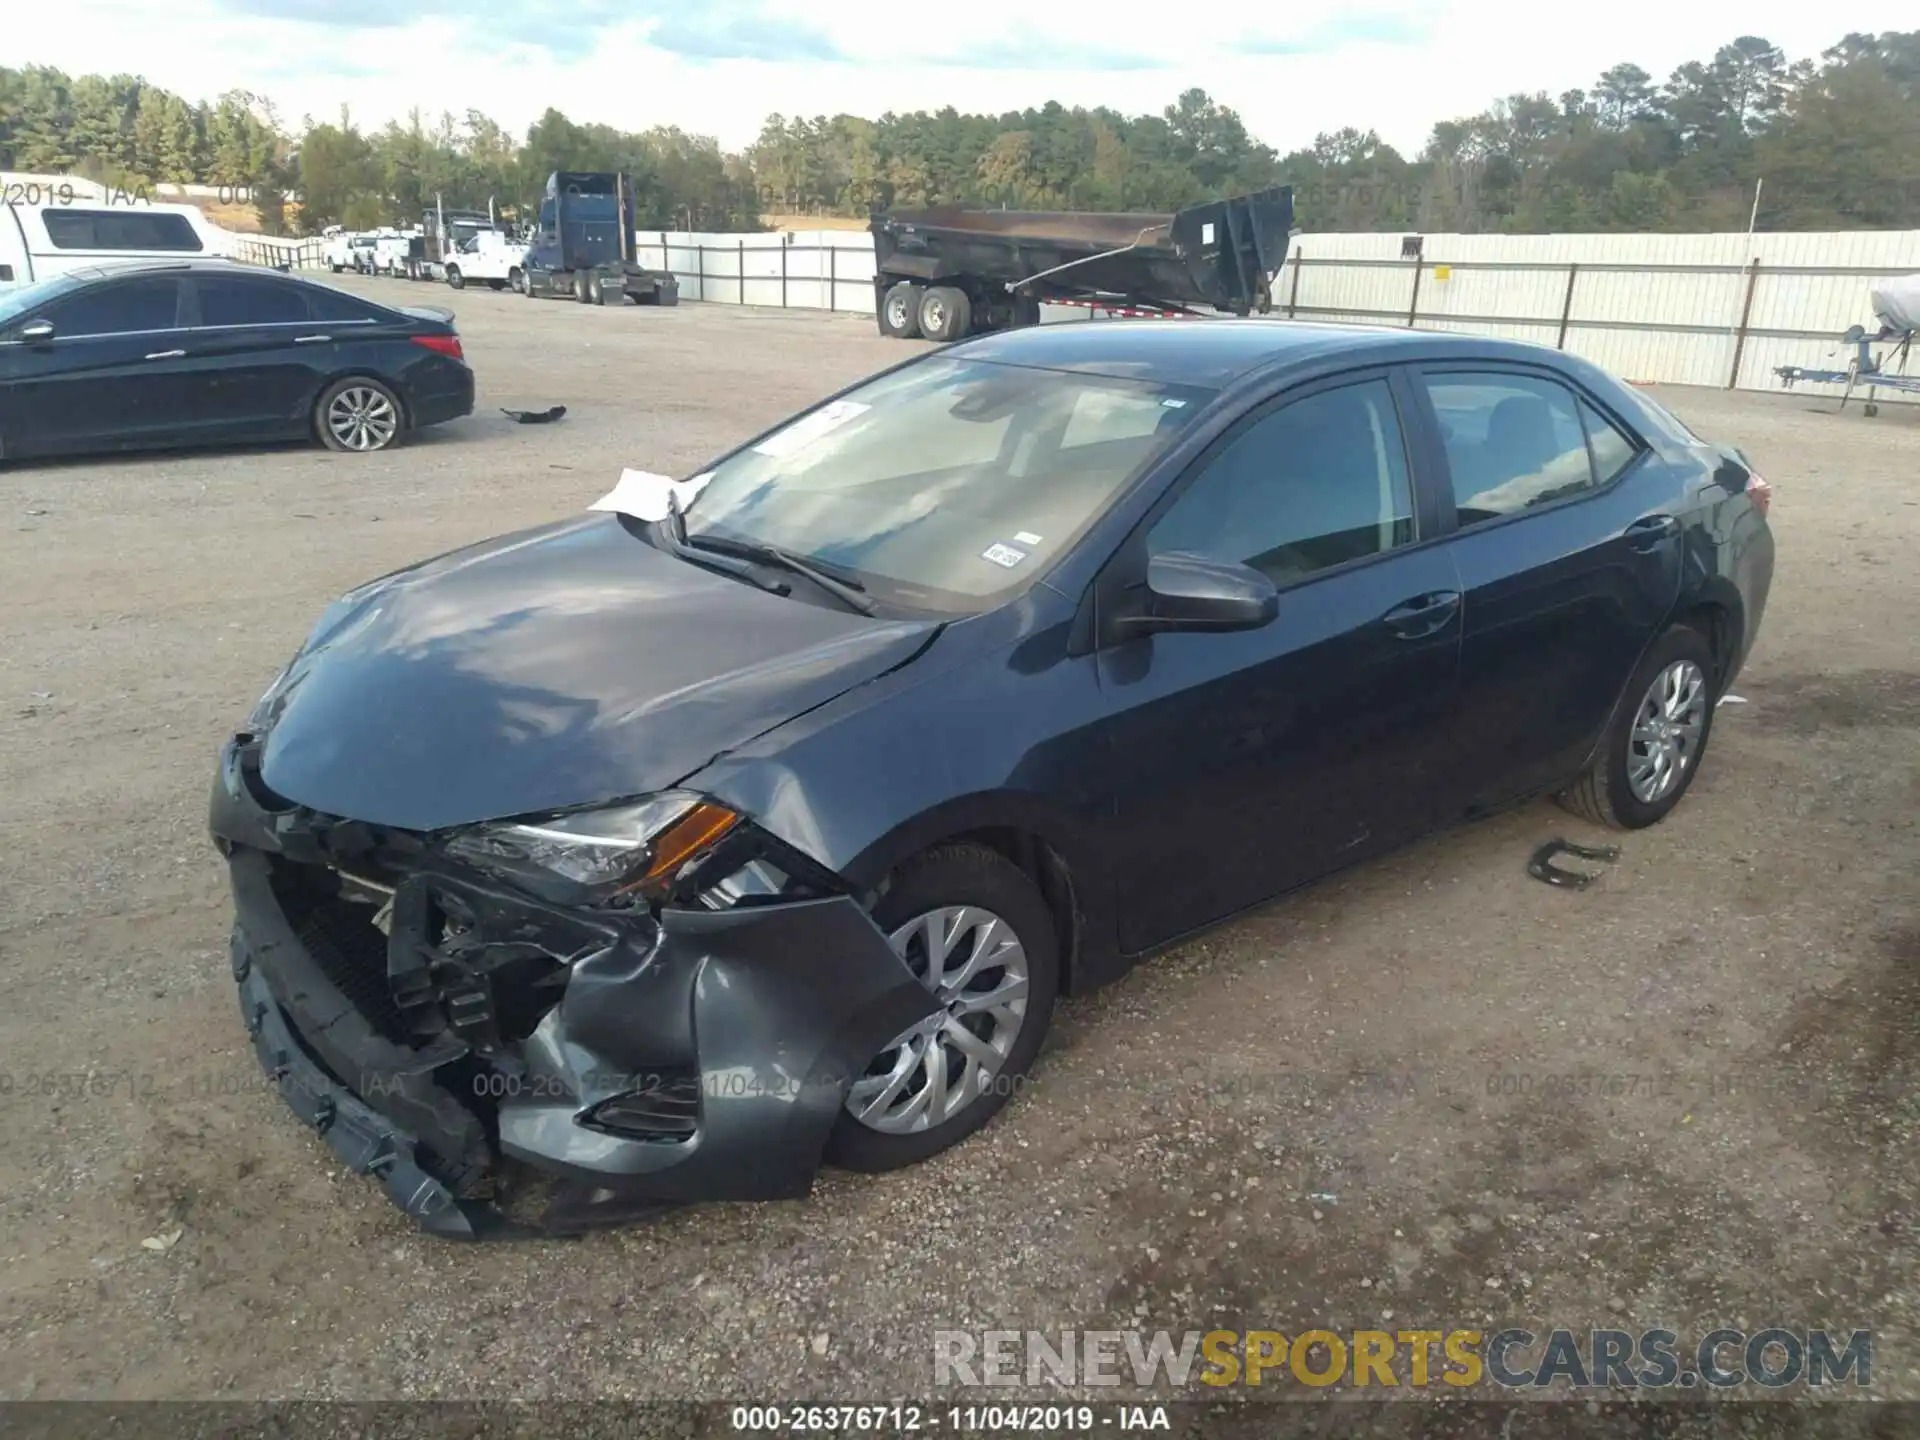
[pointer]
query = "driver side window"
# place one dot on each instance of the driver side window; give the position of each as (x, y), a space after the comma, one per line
(1316, 483)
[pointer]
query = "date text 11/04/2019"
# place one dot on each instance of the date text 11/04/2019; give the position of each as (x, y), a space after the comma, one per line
(952, 1419)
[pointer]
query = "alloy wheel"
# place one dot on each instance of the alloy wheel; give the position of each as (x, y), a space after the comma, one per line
(1667, 728)
(976, 967)
(362, 418)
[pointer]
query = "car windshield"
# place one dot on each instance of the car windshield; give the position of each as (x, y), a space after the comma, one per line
(25, 299)
(949, 484)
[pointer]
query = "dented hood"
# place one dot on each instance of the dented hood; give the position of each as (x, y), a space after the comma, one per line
(564, 666)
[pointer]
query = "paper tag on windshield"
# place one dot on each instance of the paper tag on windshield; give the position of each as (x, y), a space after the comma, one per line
(1027, 537)
(805, 431)
(643, 495)
(1003, 555)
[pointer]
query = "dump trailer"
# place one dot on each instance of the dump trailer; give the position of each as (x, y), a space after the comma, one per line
(945, 273)
(584, 248)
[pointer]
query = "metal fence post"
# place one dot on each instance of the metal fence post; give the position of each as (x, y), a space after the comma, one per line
(783, 274)
(1566, 307)
(1293, 291)
(1746, 314)
(833, 277)
(701, 250)
(1413, 305)
(742, 263)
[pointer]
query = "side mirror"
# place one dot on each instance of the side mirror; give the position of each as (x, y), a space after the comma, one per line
(37, 332)
(1194, 592)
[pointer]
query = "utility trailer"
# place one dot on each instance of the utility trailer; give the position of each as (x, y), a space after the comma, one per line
(1896, 305)
(584, 246)
(945, 273)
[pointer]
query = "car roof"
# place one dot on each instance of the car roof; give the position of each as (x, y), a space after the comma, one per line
(1213, 352)
(115, 269)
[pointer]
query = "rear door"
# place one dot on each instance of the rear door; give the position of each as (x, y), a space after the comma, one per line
(255, 357)
(1568, 545)
(106, 379)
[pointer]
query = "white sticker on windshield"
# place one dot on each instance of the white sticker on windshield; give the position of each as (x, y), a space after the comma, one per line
(1027, 537)
(1174, 404)
(644, 495)
(806, 430)
(1003, 555)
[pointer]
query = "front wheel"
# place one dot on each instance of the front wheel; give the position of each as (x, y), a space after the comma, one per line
(1653, 747)
(455, 278)
(977, 933)
(358, 414)
(517, 280)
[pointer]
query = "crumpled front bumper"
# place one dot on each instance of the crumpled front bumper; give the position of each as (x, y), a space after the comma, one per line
(772, 1009)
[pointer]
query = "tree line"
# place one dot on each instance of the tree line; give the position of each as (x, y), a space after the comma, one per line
(1834, 139)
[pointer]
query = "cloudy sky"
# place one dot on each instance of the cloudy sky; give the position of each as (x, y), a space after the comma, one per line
(719, 67)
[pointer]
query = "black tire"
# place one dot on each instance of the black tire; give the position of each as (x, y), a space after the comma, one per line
(962, 874)
(945, 314)
(596, 292)
(496, 284)
(455, 278)
(517, 279)
(900, 311)
(580, 287)
(364, 382)
(336, 268)
(1604, 794)
(1026, 312)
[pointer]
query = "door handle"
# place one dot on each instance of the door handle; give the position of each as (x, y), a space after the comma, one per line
(166, 355)
(1423, 614)
(311, 339)
(1649, 531)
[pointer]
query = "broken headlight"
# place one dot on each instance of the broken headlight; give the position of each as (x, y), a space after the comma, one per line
(624, 850)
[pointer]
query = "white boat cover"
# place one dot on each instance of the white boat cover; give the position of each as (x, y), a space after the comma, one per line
(1897, 303)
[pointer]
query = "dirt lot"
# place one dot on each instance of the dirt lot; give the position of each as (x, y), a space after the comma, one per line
(1738, 998)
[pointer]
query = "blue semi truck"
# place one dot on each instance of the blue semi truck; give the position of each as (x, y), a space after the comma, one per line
(583, 246)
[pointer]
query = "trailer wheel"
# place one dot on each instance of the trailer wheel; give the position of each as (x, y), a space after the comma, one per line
(455, 278)
(900, 311)
(945, 313)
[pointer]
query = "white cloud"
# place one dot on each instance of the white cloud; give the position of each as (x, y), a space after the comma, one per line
(1396, 66)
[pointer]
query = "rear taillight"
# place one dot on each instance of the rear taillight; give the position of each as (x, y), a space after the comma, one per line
(1760, 493)
(448, 345)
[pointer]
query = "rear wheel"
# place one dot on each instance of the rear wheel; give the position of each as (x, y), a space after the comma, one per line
(900, 311)
(358, 414)
(945, 313)
(976, 931)
(580, 286)
(596, 292)
(1653, 748)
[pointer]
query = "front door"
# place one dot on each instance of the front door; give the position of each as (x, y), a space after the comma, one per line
(105, 378)
(1247, 763)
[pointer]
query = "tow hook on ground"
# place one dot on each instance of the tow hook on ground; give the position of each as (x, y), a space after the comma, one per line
(535, 417)
(1540, 867)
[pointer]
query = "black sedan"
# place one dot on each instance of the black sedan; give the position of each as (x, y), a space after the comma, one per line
(758, 819)
(138, 356)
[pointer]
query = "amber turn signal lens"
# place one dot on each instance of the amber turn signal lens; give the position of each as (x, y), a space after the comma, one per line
(1760, 493)
(693, 832)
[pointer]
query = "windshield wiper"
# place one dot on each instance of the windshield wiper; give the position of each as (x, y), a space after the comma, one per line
(676, 541)
(846, 590)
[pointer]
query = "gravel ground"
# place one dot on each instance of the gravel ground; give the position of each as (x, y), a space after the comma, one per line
(1739, 992)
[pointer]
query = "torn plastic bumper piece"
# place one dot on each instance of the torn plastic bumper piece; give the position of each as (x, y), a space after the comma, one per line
(1540, 867)
(758, 1018)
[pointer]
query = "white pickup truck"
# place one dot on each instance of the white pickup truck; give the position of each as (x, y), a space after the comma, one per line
(490, 256)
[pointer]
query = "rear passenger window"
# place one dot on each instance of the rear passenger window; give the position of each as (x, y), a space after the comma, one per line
(1613, 452)
(250, 302)
(1317, 483)
(324, 303)
(1513, 442)
(128, 308)
(127, 229)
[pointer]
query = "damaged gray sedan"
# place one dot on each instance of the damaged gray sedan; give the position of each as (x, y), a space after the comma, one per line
(666, 853)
